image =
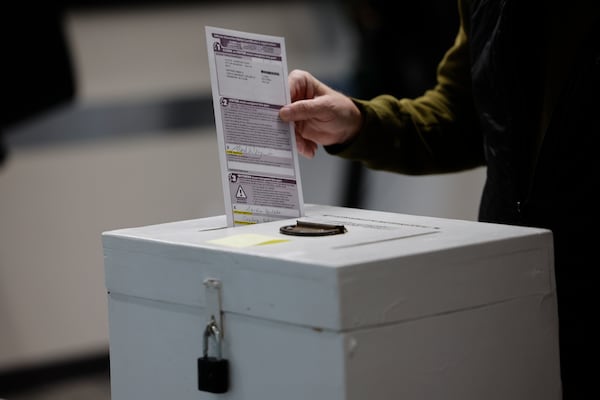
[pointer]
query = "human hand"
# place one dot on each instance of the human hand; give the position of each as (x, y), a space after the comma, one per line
(321, 115)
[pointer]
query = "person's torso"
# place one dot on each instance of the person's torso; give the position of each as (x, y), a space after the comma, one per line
(535, 84)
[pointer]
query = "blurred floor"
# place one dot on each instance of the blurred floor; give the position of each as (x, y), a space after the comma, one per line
(94, 386)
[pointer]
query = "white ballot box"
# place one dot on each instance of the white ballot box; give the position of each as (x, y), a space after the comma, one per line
(397, 307)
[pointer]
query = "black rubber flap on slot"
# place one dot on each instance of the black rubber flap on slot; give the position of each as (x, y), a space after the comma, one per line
(303, 228)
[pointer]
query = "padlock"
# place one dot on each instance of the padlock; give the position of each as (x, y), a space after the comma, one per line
(213, 372)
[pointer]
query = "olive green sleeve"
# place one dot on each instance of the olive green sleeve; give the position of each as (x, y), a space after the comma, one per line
(434, 133)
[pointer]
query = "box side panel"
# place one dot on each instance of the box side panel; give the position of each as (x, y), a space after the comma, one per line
(154, 347)
(428, 284)
(503, 351)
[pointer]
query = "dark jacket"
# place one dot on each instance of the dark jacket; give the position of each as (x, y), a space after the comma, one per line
(519, 94)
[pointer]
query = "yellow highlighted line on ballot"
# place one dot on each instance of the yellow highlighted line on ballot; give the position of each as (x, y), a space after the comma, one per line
(242, 212)
(244, 222)
(235, 153)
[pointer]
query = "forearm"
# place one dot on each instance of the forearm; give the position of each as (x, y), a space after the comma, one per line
(433, 133)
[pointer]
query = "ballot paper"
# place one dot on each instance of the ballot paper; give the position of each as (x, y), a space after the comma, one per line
(257, 150)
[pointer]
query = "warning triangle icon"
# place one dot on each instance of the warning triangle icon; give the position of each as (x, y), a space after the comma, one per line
(240, 194)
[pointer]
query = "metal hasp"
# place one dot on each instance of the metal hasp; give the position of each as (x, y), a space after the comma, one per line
(213, 372)
(212, 295)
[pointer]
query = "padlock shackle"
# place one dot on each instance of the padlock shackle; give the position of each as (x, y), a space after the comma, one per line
(212, 329)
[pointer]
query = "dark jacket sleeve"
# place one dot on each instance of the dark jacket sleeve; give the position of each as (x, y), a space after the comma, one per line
(437, 132)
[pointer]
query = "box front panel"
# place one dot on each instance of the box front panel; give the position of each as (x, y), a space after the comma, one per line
(154, 348)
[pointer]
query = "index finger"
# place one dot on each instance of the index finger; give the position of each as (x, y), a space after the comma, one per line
(302, 110)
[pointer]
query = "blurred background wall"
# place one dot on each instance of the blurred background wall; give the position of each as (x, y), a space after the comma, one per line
(132, 142)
